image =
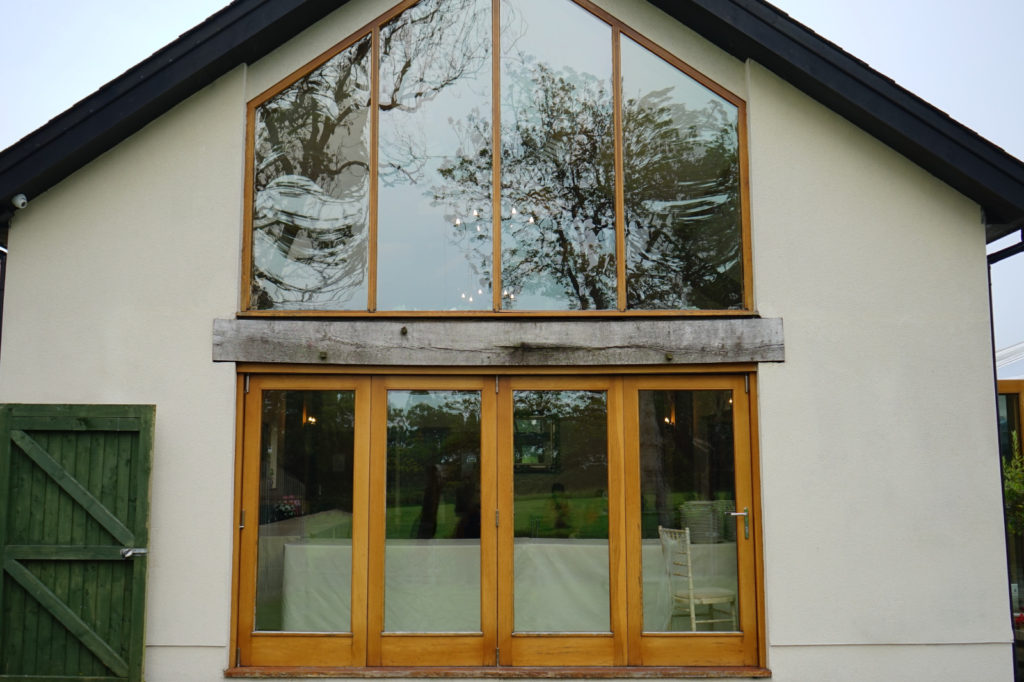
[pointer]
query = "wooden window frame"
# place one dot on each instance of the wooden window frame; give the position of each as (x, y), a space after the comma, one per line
(626, 648)
(1012, 387)
(618, 29)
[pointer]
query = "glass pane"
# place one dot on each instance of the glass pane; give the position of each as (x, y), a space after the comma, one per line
(682, 189)
(1009, 425)
(432, 523)
(687, 489)
(311, 200)
(557, 158)
(304, 566)
(1013, 495)
(561, 511)
(434, 203)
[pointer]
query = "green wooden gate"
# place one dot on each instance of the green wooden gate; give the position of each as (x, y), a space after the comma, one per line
(74, 502)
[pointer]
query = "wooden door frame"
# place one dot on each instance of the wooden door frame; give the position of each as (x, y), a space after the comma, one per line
(621, 384)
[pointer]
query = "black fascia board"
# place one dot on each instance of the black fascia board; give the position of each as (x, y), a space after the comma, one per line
(750, 29)
(242, 32)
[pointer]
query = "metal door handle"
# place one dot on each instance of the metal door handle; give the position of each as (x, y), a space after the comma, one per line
(131, 552)
(746, 521)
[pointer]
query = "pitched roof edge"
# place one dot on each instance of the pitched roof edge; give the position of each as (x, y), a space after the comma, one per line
(749, 29)
(241, 32)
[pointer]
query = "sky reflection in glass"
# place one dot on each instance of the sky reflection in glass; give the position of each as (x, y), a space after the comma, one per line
(435, 97)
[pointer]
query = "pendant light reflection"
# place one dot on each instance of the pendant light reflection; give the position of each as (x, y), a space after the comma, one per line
(307, 418)
(478, 219)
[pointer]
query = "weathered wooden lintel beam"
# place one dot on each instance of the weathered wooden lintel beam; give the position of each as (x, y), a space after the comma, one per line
(491, 343)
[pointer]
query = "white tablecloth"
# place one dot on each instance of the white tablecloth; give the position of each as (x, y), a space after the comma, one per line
(434, 585)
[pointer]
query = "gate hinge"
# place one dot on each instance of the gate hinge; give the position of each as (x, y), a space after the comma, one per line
(746, 383)
(132, 552)
(241, 521)
(238, 657)
(247, 384)
(497, 655)
(496, 512)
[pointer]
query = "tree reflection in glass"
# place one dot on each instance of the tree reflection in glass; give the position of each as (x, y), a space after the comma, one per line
(557, 159)
(682, 189)
(311, 189)
(560, 483)
(435, 94)
(435, 249)
(432, 523)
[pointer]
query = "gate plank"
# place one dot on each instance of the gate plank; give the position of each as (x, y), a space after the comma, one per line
(63, 552)
(141, 448)
(62, 583)
(67, 617)
(103, 449)
(35, 614)
(72, 424)
(85, 498)
(50, 636)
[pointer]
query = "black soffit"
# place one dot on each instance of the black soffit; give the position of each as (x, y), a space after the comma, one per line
(246, 30)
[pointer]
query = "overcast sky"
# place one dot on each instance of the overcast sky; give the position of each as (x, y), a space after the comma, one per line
(963, 57)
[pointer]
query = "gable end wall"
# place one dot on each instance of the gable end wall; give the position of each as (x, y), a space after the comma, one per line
(884, 556)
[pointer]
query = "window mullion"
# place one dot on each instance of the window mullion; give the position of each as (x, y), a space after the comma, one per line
(371, 266)
(632, 537)
(620, 201)
(489, 533)
(496, 154)
(618, 598)
(506, 519)
(376, 503)
(362, 490)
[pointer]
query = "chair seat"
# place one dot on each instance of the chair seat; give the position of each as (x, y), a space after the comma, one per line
(707, 595)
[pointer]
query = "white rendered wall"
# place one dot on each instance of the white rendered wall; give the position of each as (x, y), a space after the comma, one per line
(883, 547)
(880, 481)
(114, 278)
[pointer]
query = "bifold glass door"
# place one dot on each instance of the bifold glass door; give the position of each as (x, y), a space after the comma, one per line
(482, 520)
(690, 496)
(303, 521)
(432, 559)
(559, 579)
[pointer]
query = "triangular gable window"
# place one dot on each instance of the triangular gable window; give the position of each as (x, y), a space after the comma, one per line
(619, 170)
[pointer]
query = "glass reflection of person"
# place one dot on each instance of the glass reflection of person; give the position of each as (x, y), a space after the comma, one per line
(467, 507)
(560, 509)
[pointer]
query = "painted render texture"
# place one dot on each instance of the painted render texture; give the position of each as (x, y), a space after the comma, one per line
(882, 526)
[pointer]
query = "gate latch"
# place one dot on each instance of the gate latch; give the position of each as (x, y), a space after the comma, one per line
(130, 552)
